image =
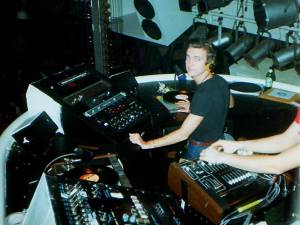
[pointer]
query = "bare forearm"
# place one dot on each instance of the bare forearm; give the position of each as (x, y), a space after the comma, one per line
(188, 126)
(255, 163)
(169, 139)
(276, 143)
(275, 163)
(273, 144)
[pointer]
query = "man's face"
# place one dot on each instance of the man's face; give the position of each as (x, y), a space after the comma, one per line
(195, 61)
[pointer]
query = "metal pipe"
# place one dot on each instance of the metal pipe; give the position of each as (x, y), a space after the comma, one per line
(249, 20)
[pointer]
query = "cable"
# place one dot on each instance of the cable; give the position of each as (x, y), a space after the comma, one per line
(238, 216)
(248, 219)
(175, 81)
(271, 195)
(57, 158)
(284, 189)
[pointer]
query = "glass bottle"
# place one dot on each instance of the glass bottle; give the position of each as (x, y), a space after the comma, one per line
(270, 77)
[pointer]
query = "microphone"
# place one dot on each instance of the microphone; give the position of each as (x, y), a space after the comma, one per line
(179, 73)
(181, 77)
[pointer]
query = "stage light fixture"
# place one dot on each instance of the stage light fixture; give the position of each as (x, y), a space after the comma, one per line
(286, 56)
(187, 5)
(259, 52)
(270, 14)
(221, 42)
(205, 5)
(238, 49)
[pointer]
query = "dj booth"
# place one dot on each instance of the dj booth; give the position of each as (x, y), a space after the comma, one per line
(86, 181)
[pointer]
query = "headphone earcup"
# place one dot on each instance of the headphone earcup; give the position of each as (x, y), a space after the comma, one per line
(208, 67)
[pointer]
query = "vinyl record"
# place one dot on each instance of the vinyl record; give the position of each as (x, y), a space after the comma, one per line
(99, 174)
(175, 96)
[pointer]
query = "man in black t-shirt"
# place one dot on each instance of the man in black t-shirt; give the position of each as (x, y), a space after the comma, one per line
(210, 101)
(207, 110)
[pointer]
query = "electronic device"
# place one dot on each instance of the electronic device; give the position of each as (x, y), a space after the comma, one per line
(215, 189)
(175, 96)
(36, 134)
(90, 102)
(119, 113)
(71, 201)
(106, 168)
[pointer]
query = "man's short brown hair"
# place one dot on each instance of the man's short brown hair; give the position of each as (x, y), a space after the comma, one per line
(211, 53)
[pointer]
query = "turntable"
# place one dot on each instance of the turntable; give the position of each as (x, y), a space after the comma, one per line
(105, 169)
(175, 96)
(94, 173)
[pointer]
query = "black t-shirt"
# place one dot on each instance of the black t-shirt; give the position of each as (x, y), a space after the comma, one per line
(211, 101)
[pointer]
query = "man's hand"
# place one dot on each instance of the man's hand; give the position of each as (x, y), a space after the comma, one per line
(211, 155)
(183, 106)
(136, 138)
(232, 147)
(227, 146)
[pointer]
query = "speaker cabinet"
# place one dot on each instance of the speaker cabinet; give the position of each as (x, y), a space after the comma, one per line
(37, 134)
(156, 21)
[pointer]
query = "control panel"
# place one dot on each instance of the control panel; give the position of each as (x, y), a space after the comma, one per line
(219, 178)
(84, 202)
(214, 190)
(119, 112)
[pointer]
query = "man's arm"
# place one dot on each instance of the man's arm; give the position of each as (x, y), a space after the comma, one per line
(187, 128)
(274, 164)
(273, 144)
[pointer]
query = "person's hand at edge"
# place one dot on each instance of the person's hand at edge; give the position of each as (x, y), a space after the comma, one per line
(227, 146)
(136, 138)
(211, 155)
(183, 106)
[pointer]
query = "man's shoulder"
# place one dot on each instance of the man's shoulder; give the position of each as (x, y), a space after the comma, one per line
(219, 81)
(219, 78)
